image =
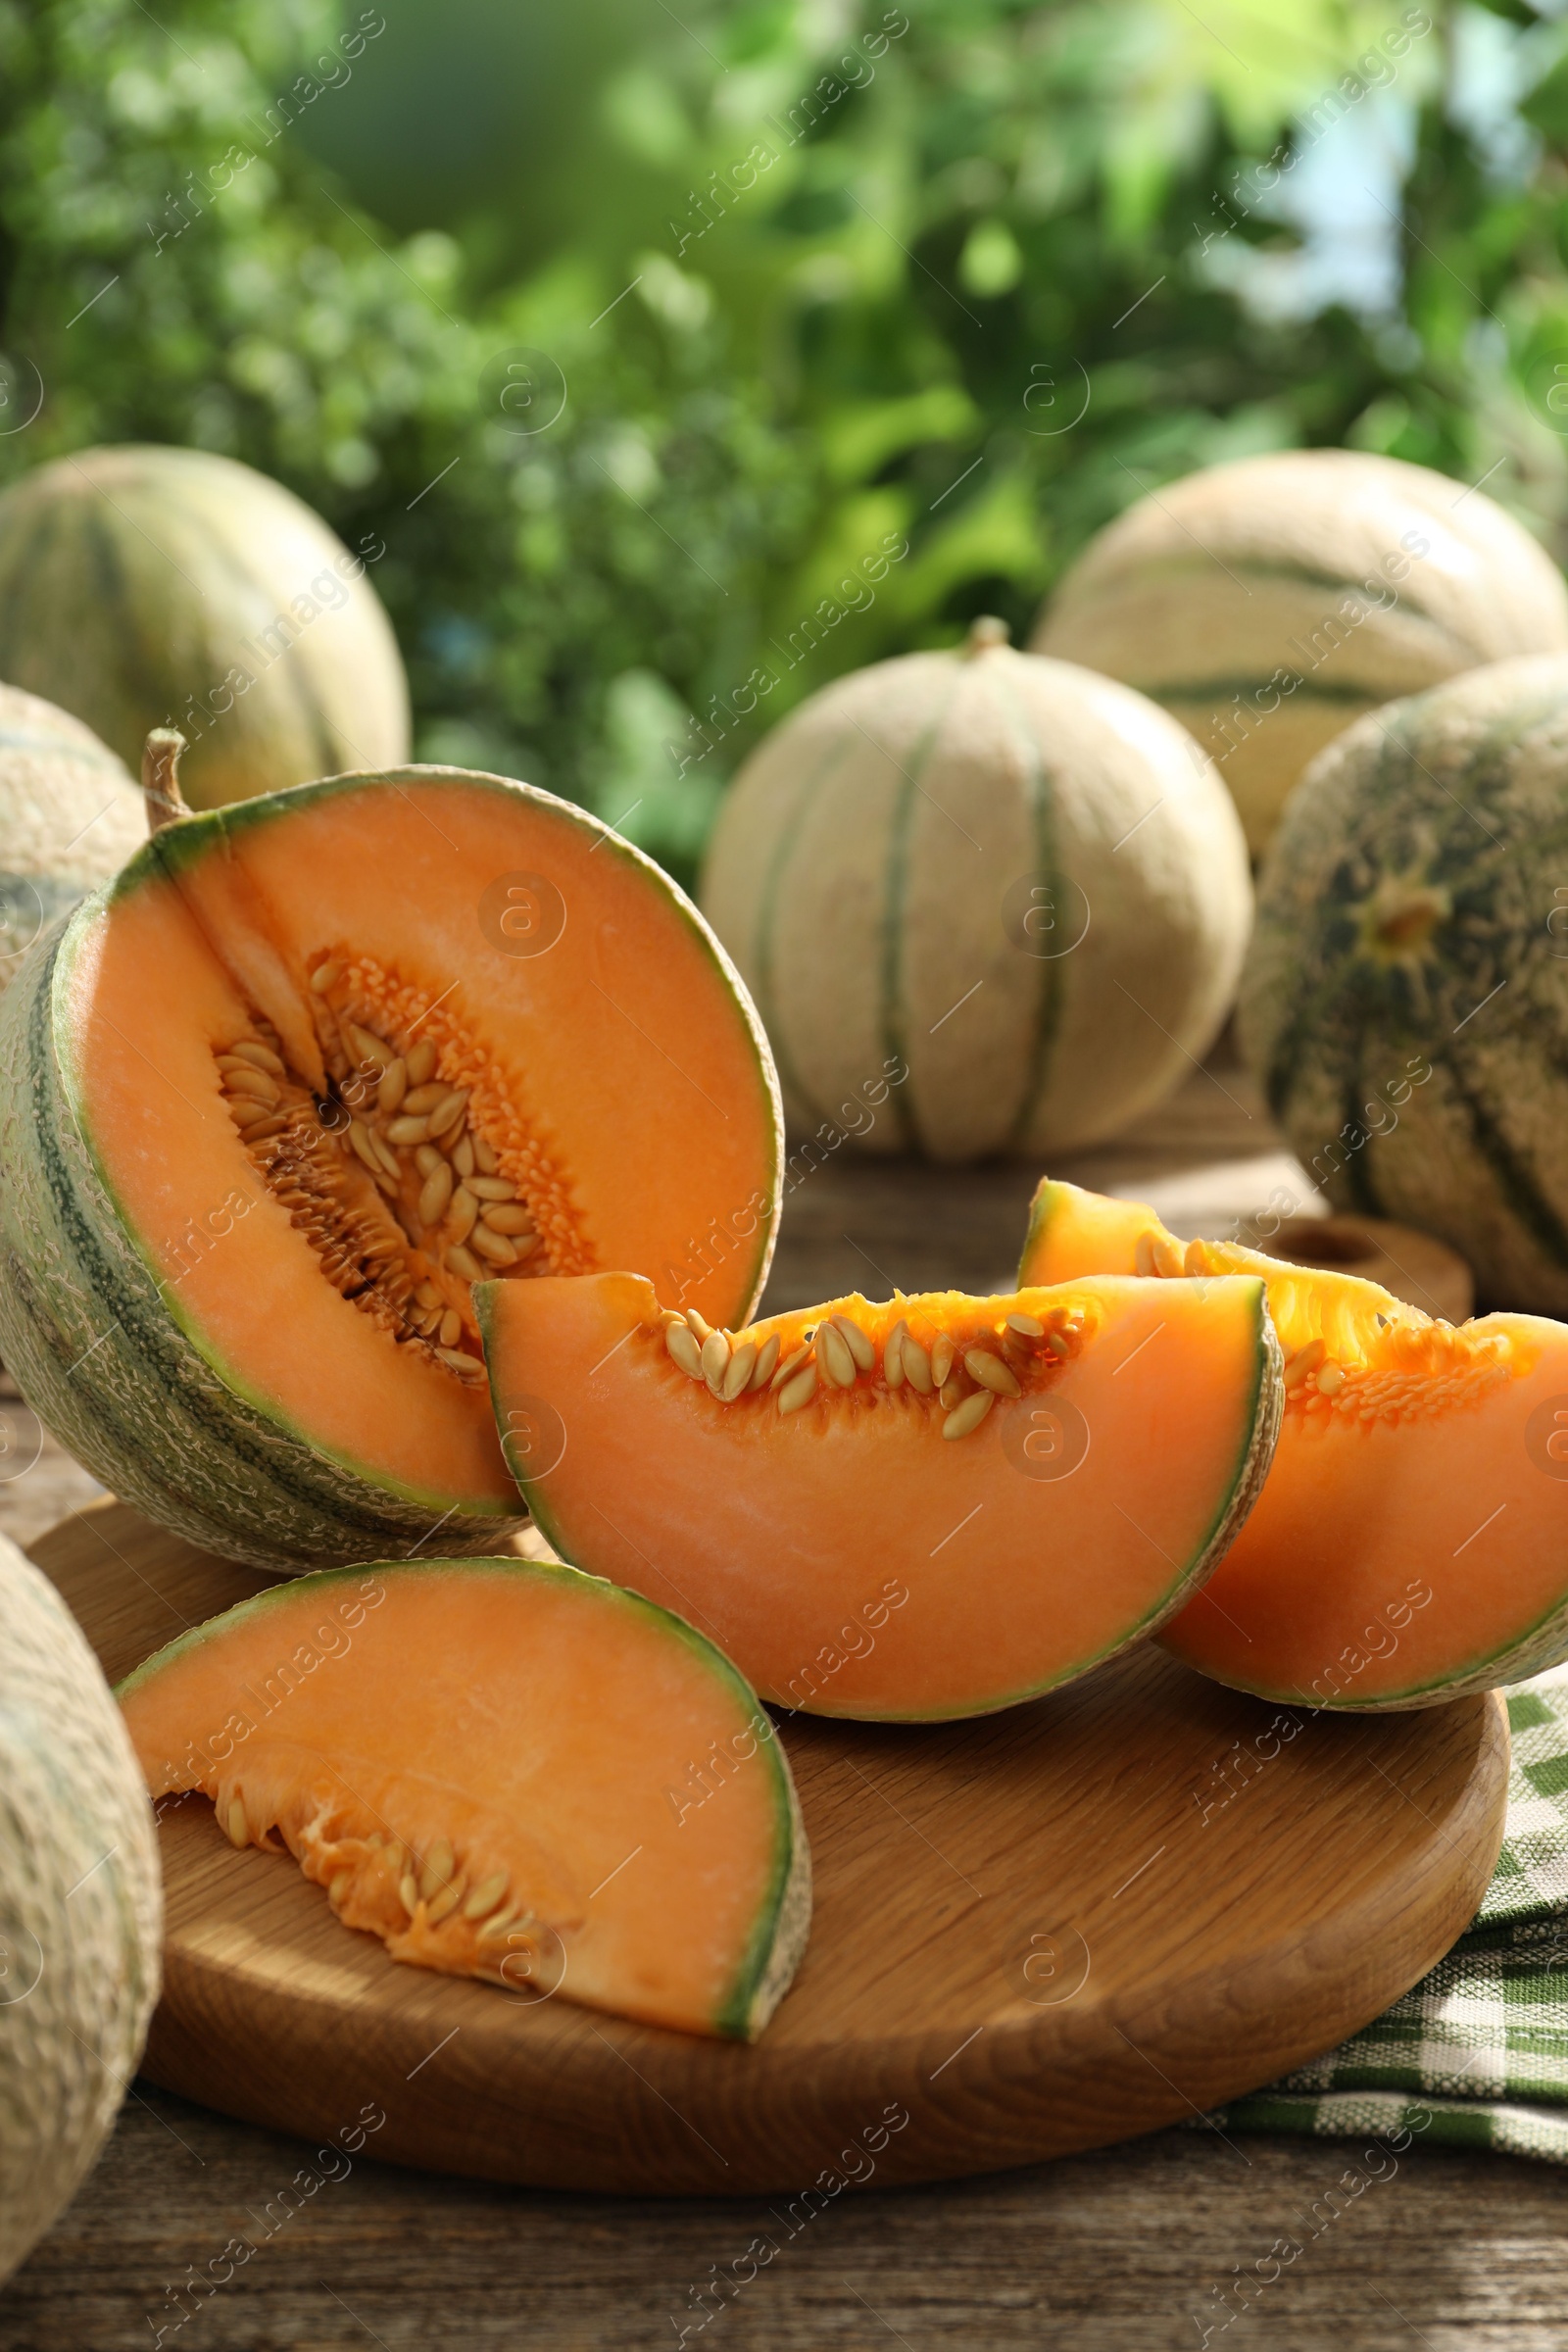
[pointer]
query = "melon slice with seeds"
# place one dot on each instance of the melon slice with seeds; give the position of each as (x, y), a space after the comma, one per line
(931, 1508)
(274, 1100)
(488, 1764)
(1412, 1541)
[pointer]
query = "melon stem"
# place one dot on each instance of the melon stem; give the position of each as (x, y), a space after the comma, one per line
(159, 778)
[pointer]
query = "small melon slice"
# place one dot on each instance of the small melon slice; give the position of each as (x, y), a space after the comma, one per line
(931, 1508)
(491, 1764)
(1412, 1541)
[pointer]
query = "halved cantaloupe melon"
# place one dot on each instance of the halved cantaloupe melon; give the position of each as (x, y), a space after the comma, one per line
(490, 1764)
(1412, 1541)
(274, 1099)
(932, 1508)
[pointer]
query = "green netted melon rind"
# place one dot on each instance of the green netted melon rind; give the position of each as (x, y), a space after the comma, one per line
(70, 817)
(1460, 792)
(80, 1907)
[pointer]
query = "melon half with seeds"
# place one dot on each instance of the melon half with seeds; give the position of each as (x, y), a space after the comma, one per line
(274, 1101)
(475, 1758)
(1412, 1541)
(931, 1508)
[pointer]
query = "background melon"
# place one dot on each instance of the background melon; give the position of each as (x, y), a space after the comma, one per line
(70, 817)
(144, 587)
(1406, 1001)
(1268, 601)
(986, 903)
(80, 1907)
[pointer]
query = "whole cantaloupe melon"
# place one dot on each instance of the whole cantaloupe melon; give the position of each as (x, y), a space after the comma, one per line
(145, 587)
(81, 1906)
(986, 903)
(1268, 601)
(1406, 1000)
(70, 817)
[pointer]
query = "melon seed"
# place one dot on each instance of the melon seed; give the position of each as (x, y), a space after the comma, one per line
(893, 1356)
(235, 1824)
(833, 1354)
(714, 1359)
(1330, 1380)
(427, 1294)
(856, 1341)
(326, 975)
(497, 1930)
(1144, 1254)
(406, 1130)
(448, 1113)
(369, 1049)
(461, 1213)
(942, 1351)
(437, 1868)
(409, 1892)
(916, 1363)
(1030, 1326)
(504, 1216)
(1057, 1343)
(968, 1415)
(255, 1130)
(445, 1903)
(342, 1881)
(493, 1246)
(1306, 1360)
(462, 1261)
(762, 1369)
(799, 1391)
(436, 1193)
(394, 1085)
(422, 1062)
(360, 1138)
(421, 1098)
(486, 1894)
(491, 1188)
(449, 1327)
(990, 1371)
(951, 1391)
(428, 1160)
(462, 1150)
(698, 1325)
(1168, 1257)
(791, 1365)
(485, 1158)
(738, 1376)
(683, 1348)
(388, 1157)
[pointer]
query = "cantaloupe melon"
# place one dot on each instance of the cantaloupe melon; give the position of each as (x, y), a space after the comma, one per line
(1406, 1004)
(144, 587)
(986, 903)
(70, 817)
(488, 1763)
(1268, 601)
(80, 1907)
(1411, 1538)
(270, 1104)
(931, 1508)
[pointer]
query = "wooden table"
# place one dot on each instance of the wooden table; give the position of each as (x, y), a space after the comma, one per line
(1113, 2252)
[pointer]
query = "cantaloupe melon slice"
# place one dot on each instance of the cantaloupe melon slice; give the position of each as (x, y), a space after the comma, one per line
(1412, 1541)
(492, 1766)
(931, 1508)
(275, 1099)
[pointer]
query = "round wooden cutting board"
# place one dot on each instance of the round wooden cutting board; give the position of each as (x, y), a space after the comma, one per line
(1034, 1932)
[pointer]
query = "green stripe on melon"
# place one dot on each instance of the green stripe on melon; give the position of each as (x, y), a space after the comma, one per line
(1408, 922)
(1361, 577)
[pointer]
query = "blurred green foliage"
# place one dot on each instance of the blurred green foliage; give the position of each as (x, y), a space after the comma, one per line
(956, 285)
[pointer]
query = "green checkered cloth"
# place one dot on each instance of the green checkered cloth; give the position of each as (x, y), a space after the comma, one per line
(1477, 2053)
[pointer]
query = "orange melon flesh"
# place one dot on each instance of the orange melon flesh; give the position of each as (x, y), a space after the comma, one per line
(494, 1765)
(616, 1072)
(851, 1557)
(1412, 1541)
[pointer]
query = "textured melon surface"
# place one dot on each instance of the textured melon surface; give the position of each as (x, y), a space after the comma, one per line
(1406, 1000)
(985, 903)
(245, 1094)
(493, 1765)
(148, 587)
(70, 817)
(932, 1508)
(1268, 601)
(80, 1907)
(1411, 1538)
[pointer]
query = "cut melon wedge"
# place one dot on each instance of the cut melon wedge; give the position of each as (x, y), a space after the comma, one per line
(1412, 1541)
(932, 1508)
(505, 1770)
(274, 1100)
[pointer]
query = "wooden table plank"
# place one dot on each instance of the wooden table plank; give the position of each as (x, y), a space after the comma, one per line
(1126, 2250)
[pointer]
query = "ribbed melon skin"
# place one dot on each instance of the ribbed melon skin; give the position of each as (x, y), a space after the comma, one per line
(869, 873)
(1409, 918)
(80, 1907)
(70, 817)
(101, 1351)
(137, 584)
(1307, 563)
